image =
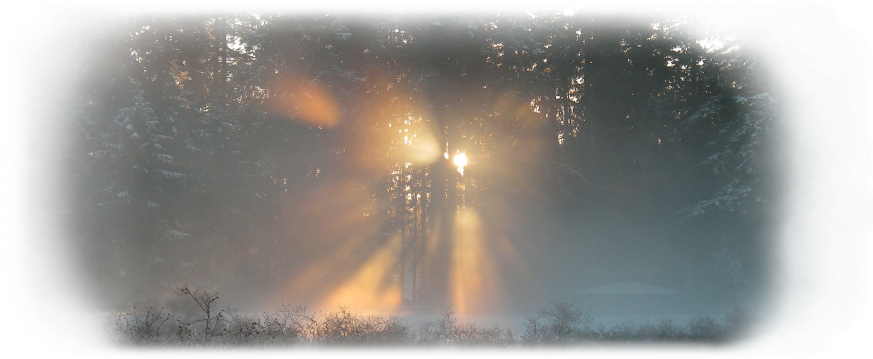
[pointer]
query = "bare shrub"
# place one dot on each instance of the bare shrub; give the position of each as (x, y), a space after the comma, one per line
(142, 328)
(203, 330)
(343, 327)
(561, 324)
(155, 326)
(734, 325)
(498, 342)
(449, 331)
(439, 338)
(181, 305)
(665, 339)
(241, 329)
(284, 325)
(622, 340)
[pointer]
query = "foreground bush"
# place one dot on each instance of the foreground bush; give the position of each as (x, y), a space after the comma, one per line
(143, 327)
(561, 324)
(346, 328)
(449, 331)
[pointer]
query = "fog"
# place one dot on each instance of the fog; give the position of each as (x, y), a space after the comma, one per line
(313, 198)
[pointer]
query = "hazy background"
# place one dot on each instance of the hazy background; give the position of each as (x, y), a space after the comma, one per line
(310, 156)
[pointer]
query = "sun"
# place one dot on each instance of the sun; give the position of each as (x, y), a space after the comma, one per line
(460, 160)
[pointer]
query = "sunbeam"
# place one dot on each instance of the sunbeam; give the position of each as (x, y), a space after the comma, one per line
(474, 283)
(372, 289)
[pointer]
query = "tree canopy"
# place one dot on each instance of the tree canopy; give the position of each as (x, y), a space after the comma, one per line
(288, 147)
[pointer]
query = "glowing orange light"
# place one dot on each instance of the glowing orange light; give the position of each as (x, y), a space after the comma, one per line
(474, 282)
(370, 290)
(422, 147)
(305, 101)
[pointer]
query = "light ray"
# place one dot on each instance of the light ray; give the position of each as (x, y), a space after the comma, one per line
(474, 283)
(371, 290)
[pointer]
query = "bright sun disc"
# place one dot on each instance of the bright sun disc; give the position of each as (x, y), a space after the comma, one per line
(460, 160)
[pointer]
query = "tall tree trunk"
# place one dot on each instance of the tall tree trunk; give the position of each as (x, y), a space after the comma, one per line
(401, 263)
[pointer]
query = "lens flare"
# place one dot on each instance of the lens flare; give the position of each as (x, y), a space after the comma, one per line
(422, 148)
(379, 141)
(304, 101)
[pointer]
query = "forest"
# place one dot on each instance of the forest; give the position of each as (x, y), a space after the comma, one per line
(401, 164)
